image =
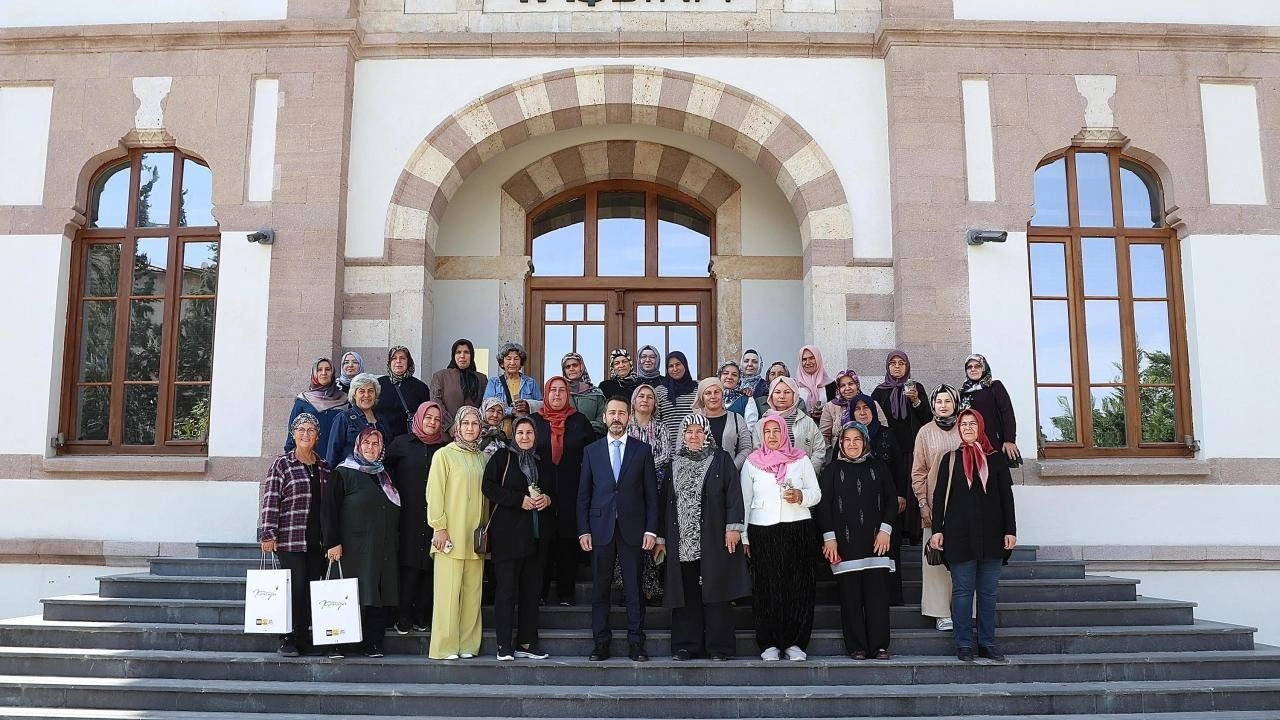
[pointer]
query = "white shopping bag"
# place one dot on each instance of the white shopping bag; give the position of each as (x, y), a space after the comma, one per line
(268, 601)
(335, 610)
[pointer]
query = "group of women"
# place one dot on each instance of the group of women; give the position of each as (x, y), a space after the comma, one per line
(762, 478)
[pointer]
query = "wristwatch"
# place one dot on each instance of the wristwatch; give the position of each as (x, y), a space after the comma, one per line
(923, 504)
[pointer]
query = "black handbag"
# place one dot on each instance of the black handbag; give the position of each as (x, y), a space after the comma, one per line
(932, 556)
(480, 538)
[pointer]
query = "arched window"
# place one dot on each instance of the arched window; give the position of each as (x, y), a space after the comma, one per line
(620, 263)
(1106, 297)
(144, 280)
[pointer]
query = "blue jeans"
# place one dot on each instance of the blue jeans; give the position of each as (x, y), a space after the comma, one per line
(966, 577)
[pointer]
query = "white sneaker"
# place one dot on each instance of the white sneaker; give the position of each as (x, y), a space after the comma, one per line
(451, 657)
(468, 656)
(795, 654)
(771, 655)
(943, 624)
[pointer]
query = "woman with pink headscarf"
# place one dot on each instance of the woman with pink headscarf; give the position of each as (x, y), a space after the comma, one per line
(816, 386)
(779, 486)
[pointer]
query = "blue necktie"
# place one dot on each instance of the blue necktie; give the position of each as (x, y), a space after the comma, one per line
(615, 459)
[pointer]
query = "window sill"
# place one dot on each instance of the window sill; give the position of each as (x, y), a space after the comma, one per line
(1155, 471)
(127, 464)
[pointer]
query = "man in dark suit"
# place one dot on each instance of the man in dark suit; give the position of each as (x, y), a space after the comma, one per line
(617, 518)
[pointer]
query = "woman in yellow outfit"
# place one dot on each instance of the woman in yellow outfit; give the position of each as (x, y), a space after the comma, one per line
(456, 506)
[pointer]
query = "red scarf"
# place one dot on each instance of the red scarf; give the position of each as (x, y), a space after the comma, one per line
(556, 418)
(974, 454)
(418, 428)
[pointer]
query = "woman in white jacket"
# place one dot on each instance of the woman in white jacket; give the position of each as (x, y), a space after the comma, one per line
(779, 486)
(802, 431)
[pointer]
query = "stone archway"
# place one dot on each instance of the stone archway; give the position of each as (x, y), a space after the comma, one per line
(621, 95)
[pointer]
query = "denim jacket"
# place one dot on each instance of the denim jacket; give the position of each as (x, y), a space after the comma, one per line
(529, 390)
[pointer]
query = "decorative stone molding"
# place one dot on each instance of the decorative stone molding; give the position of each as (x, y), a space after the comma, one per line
(620, 159)
(148, 121)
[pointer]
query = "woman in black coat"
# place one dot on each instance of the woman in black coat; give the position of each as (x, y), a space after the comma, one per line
(562, 433)
(977, 533)
(702, 521)
(856, 515)
(401, 393)
(409, 461)
(884, 447)
(990, 398)
(517, 541)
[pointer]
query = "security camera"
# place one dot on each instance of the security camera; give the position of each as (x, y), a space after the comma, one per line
(977, 237)
(262, 237)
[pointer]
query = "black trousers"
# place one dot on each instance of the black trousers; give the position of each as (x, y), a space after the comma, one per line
(518, 588)
(603, 558)
(701, 627)
(373, 625)
(303, 567)
(561, 565)
(864, 609)
(417, 587)
(783, 583)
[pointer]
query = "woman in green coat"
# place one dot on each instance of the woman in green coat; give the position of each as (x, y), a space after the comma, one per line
(585, 396)
(362, 526)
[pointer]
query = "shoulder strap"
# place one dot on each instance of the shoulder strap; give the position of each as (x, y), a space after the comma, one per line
(400, 395)
(946, 499)
(506, 390)
(502, 480)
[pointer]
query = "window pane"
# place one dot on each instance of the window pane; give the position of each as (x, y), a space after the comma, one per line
(684, 240)
(110, 200)
(102, 270)
(1051, 195)
(554, 312)
(558, 240)
(200, 268)
(197, 195)
(645, 313)
(1048, 269)
(591, 348)
(150, 259)
(557, 342)
(97, 340)
(93, 412)
(155, 189)
(621, 234)
(191, 412)
(655, 335)
(1108, 417)
(1139, 198)
(1159, 418)
(688, 313)
(595, 312)
(666, 313)
(1057, 415)
(685, 339)
(195, 341)
(1102, 327)
(140, 414)
(573, 312)
(1146, 262)
(146, 318)
(1151, 325)
(1053, 341)
(1099, 255)
(1093, 189)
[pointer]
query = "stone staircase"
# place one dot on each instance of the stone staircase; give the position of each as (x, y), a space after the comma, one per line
(168, 644)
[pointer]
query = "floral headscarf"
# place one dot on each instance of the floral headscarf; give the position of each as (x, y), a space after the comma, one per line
(323, 397)
(372, 466)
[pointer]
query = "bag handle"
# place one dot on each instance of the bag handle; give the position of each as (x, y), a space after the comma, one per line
(946, 498)
(275, 561)
(329, 570)
(493, 506)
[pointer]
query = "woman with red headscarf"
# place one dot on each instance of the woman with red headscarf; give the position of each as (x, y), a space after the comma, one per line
(562, 433)
(409, 461)
(779, 486)
(975, 529)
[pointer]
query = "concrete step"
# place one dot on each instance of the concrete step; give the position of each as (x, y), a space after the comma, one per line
(34, 631)
(1143, 611)
(46, 713)
(251, 551)
(1093, 587)
(236, 567)
(494, 700)
(660, 672)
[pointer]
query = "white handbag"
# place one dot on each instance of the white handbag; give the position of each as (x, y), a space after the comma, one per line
(335, 610)
(268, 600)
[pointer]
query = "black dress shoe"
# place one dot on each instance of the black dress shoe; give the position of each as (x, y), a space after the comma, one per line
(601, 652)
(992, 654)
(721, 657)
(682, 655)
(637, 653)
(965, 654)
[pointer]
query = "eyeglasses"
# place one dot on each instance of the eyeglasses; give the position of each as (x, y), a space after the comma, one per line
(973, 366)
